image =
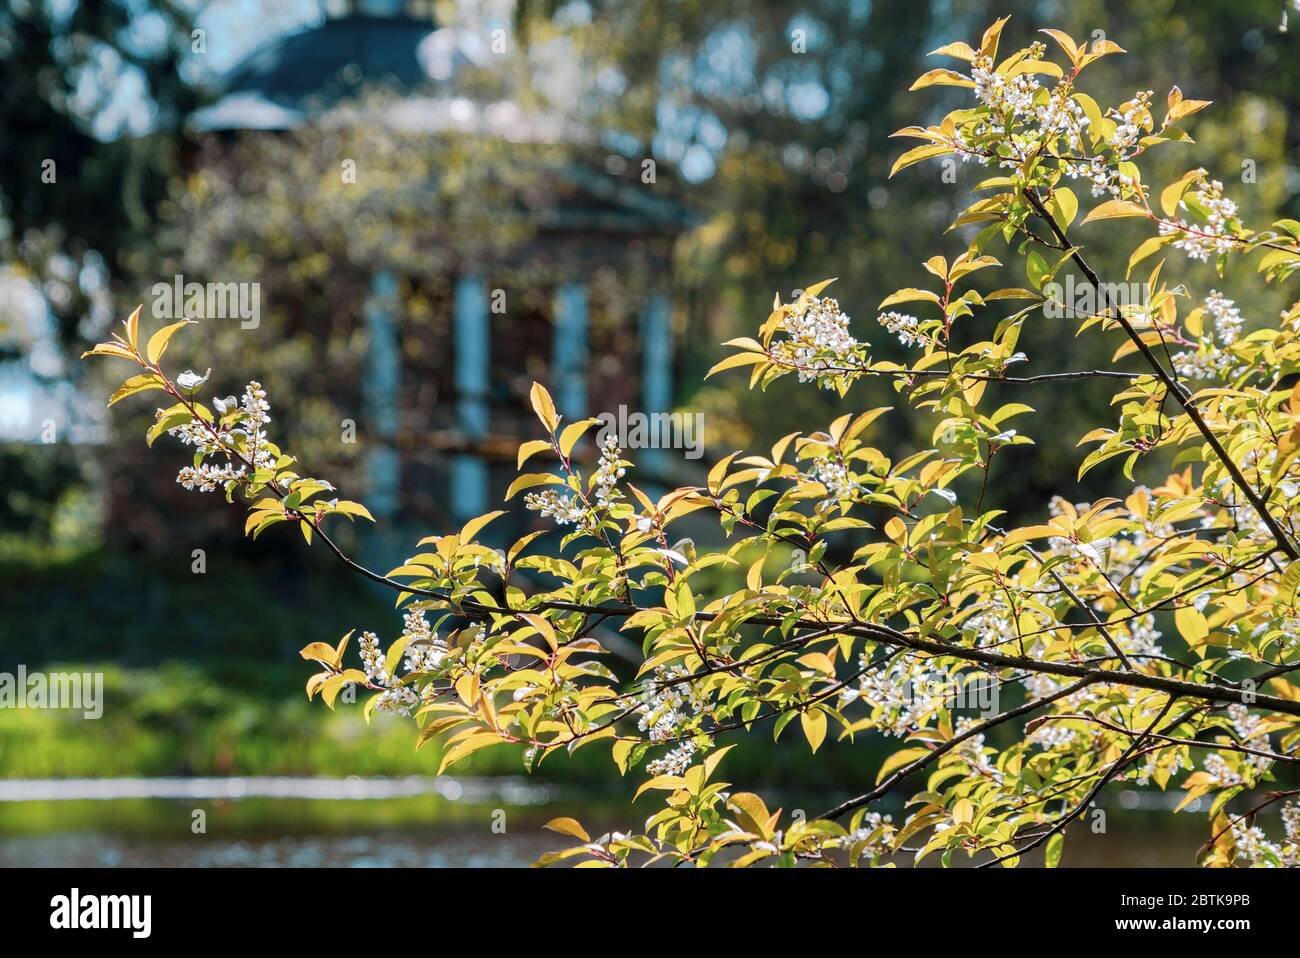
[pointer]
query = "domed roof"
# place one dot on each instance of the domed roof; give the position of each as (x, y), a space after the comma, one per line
(292, 79)
(282, 83)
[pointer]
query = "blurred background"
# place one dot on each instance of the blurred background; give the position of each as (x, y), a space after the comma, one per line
(400, 214)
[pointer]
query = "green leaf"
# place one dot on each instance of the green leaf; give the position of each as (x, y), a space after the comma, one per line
(1191, 625)
(940, 78)
(1054, 846)
(573, 432)
(350, 508)
(465, 748)
(531, 448)
(1063, 206)
(1037, 268)
(474, 526)
(531, 479)
(735, 360)
(568, 826)
(137, 384)
(159, 340)
(909, 295)
(1173, 193)
(544, 406)
(898, 760)
(919, 153)
(132, 324)
(1113, 210)
(814, 727)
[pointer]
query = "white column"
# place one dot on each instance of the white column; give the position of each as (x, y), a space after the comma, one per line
(569, 351)
(656, 368)
(470, 336)
(379, 393)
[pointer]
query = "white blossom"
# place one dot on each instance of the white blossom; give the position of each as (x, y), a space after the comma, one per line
(1202, 241)
(190, 380)
(819, 341)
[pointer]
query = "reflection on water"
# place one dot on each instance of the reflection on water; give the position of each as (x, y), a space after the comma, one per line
(464, 850)
(479, 848)
(512, 790)
(405, 821)
(411, 822)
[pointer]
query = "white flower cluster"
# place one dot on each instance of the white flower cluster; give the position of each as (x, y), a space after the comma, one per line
(571, 509)
(674, 762)
(255, 405)
(400, 699)
(1227, 318)
(256, 414)
(1053, 734)
(1142, 776)
(991, 624)
(1200, 242)
(1061, 116)
(394, 698)
(972, 750)
(1252, 845)
(665, 711)
(565, 510)
(834, 475)
(1212, 360)
(1104, 177)
(905, 327)
(902, 696)
(1102, 172)
(372, 660)
(252, 414)
(819, 341)
(1246, 724)
(425, 650)
(1023, 120)
(206, 477)
(197, 435)
(609, 472)
(1127, 129)
(1012, 96)
(1138, 637)
(876, 830)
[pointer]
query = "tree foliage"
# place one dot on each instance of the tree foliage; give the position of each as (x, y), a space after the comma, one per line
(1143, 638)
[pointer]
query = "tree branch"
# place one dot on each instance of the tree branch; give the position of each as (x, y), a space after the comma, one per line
(1176, 388)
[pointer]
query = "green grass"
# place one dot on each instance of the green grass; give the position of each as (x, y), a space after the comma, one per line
(203, 677)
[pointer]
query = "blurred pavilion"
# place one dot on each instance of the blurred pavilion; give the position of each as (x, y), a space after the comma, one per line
(606, 220)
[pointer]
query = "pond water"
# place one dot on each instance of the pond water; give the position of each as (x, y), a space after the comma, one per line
(404, 822)
(412, 821)
(366, 850)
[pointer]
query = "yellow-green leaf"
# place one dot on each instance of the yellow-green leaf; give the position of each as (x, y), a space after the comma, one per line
(814, 727)
(1114, 209)
(919, 153)
(544, 406)
(159, 340)
(568, 826)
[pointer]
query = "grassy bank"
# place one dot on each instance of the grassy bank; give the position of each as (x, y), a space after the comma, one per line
(202, 677)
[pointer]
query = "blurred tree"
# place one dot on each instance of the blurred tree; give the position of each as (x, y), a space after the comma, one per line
(92, 93)
(779, 111)
(786, 110)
